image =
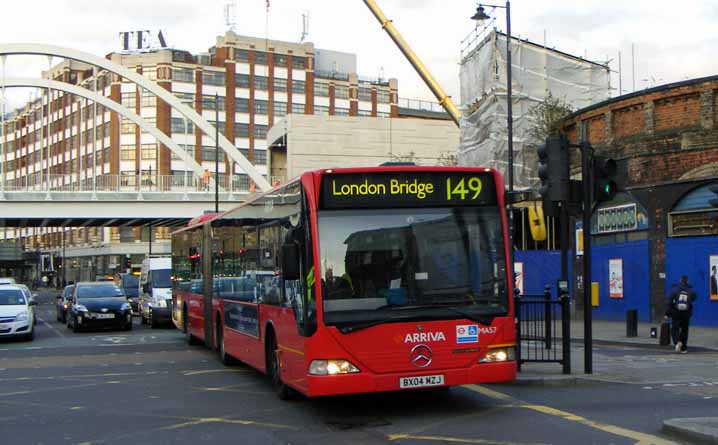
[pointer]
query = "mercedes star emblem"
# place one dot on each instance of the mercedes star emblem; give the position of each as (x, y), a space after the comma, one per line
(104, 309)
(420, 356)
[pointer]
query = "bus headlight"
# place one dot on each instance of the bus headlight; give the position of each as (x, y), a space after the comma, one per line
(331, 367)
(500, 354)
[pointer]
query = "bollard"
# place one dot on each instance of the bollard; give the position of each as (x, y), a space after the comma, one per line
(566, 332)
(632, 323)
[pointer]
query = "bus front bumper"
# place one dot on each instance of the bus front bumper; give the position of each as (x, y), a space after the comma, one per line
(364, 381)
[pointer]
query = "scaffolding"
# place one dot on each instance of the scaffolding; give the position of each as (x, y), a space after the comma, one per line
(536, 71)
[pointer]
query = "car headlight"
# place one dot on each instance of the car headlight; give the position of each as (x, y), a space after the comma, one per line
(80, 308)
(22, 316)
(331, 367)
(125, 307)
(499, 354)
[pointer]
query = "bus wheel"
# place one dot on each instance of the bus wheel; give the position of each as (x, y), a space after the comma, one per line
(191, 339)
(225, 358)
(282, 390)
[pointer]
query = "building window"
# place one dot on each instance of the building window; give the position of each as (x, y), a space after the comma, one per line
(241, 80)
(213, 78)
(298, 86)
(321, 110)
(151, 121)
(260, 131)
(241, 55)
(364, 113)
(129, 100)
(260, 58)
(383, 114)
(260, 83)
(341, 111)
(382, 97)
(321, 89)
(241, 130)
(177, 126)
(148, 99)
(148, 151)
(280, 60)
(298, 108)
(341, 91)
(261, 106)
(208, 154)
(241, 105)
(299, 63)
(280, 85)
(209, 102)
(185, 97)
(183, 75)
(280, 109)
(189, 149)
(260, 157)
(365, 93)
(127, 153)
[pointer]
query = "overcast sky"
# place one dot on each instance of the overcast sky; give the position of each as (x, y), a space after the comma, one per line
(673, 40)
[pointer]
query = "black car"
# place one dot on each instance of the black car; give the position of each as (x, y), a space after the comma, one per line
(62, 303)
(99, 305)
(130, 285)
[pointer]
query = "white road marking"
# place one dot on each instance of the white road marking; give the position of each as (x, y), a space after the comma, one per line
(52, 328)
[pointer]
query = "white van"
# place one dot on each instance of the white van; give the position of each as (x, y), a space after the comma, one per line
(155, 293)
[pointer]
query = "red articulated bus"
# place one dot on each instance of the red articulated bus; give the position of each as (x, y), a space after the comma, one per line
(356, 280)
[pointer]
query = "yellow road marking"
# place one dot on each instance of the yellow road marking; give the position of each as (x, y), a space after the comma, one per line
(204, 420)
(641, 438)
(458, 440)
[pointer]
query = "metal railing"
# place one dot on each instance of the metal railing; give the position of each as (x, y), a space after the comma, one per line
(543, 330)
(423, 105)
(145, 182)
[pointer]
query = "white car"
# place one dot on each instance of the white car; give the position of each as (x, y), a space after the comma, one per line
(6, 280)
(17, 317)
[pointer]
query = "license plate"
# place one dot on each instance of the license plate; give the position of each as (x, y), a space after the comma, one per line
(101, 316)
(421, 381)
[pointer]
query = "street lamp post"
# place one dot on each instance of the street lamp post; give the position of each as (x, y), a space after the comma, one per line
(216, 153)
(480, 16)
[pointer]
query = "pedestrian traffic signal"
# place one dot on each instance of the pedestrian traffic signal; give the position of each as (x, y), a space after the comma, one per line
(553, 168)
(604, 179)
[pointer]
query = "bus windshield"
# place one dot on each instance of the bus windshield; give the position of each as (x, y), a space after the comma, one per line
(384, 265)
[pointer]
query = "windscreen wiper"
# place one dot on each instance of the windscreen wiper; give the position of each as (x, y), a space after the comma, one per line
(483, 318)
(347, 328)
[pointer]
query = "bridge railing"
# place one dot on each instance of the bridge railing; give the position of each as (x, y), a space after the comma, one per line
(145, 182)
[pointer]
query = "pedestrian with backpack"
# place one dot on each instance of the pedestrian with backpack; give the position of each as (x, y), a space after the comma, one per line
(680, 309)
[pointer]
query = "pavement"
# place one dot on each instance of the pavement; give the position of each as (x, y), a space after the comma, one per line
(640, 360)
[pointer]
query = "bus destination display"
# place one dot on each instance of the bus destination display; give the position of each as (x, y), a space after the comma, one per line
(408, 189)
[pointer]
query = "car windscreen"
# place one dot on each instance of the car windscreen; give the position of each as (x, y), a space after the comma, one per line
(130, 281)
(68, 291)
(11, 297)
(99, 291)
(161, 278)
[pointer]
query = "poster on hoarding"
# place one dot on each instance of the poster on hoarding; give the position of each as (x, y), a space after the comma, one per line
(713, 266)
(615, 278)
(519, 277)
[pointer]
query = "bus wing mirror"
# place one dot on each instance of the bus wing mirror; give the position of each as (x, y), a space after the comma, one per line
(290, 261)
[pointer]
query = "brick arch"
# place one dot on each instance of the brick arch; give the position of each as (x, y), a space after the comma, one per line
(704, 171)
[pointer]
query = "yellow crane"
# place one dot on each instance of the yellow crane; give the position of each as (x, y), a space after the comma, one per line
(420, 68)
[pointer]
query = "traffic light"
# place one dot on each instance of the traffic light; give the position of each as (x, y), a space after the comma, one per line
(553, 169)
(604, 179)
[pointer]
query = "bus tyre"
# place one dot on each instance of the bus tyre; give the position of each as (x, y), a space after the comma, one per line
(282, 390)
(191, 339)
(225, 358)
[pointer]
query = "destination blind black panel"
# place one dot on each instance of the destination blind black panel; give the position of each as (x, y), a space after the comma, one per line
(407, 189)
